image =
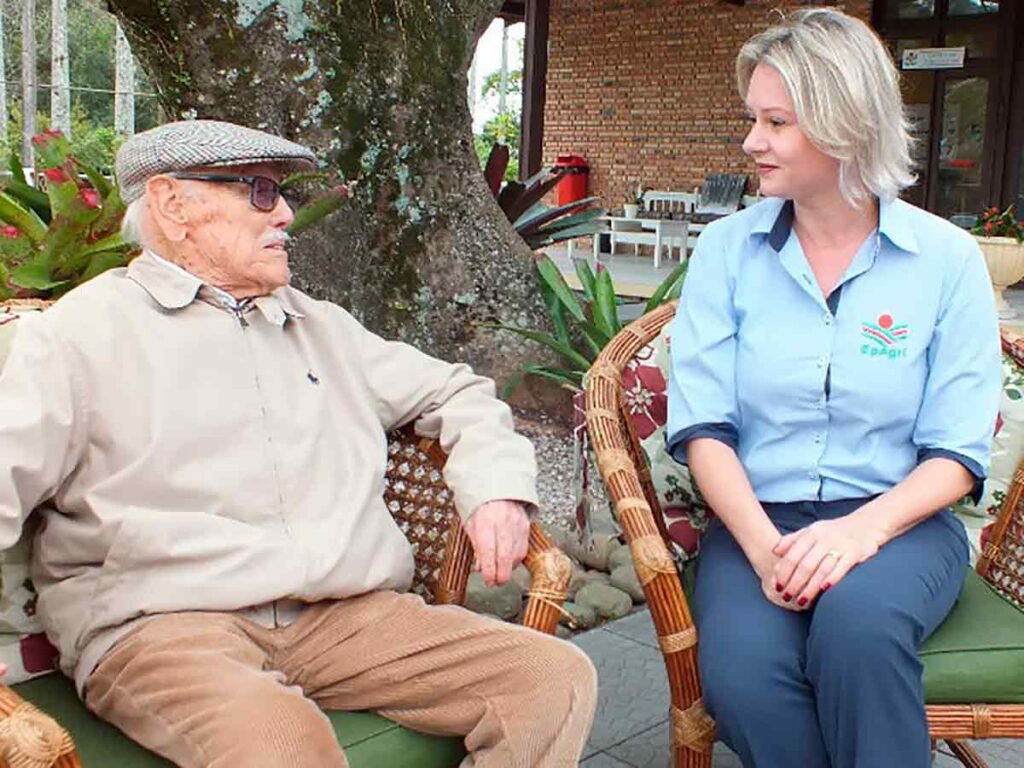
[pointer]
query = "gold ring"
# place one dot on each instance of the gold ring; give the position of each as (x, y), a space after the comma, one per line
(833, 553)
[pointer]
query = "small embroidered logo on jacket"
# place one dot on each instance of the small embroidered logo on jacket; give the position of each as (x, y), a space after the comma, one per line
(886, 338)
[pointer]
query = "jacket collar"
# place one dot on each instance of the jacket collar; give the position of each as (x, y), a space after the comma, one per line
(174, 288)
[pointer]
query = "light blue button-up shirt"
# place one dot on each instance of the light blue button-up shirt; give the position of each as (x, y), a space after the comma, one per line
(836, 399)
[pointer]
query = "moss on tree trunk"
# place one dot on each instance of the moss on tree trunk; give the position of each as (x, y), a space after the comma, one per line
(378, 88)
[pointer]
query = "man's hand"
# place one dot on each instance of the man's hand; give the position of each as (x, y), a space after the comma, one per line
(500, 532)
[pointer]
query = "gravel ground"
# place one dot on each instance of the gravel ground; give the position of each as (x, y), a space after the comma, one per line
(553, 443)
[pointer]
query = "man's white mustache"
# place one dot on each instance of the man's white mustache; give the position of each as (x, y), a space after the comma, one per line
(275, 240)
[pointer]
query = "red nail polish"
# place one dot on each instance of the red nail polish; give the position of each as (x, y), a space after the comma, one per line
(778, 587)
(787, 597)
(825, 587)
(802, 601)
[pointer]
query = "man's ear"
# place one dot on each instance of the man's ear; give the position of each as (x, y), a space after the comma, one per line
(167, 206)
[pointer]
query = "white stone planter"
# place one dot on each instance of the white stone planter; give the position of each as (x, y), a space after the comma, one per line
(631, 210)
(1004, 257)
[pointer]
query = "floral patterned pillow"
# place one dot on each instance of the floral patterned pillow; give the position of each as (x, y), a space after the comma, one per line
(1007, 451)
(23, 646)
(644, 384)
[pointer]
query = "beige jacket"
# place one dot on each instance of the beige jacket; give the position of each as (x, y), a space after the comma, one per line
(197, 459)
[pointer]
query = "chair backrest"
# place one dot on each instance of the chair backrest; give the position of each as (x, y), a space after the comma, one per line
(721, 192)
(676, 204)
(424, 508)
(1002, 557)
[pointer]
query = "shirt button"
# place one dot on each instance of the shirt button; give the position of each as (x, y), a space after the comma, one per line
(828, 319)
(821, 362)
(817, 438)
(812, 475)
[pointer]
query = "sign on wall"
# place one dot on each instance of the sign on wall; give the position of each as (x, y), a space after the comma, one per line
(933, 58)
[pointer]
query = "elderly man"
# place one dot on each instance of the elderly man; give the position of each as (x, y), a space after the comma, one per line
(216, 562)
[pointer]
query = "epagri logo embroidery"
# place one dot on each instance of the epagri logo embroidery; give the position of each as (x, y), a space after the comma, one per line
(885, 340)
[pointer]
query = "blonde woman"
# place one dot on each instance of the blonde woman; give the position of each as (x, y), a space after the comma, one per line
(836, 375)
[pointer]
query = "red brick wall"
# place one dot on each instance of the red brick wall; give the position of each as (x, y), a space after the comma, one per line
(645, 89)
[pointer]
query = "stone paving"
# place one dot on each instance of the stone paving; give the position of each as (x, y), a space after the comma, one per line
(631, 726)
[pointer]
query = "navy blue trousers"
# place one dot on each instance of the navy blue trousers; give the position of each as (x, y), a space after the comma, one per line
(839, 685)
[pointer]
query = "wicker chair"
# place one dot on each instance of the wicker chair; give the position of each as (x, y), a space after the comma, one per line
(422, 504)
(627, 478)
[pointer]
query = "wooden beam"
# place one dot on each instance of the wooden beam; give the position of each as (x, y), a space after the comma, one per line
(535, 75)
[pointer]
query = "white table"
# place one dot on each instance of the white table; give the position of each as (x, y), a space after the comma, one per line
(656, 232)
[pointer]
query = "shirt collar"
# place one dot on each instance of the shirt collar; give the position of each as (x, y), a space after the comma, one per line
(776, 221)
(173, 287)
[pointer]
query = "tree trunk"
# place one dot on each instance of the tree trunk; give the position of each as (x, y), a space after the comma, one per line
(124, 86)
(60, 78)
(378, 87)
(28, 80)
(4, 116)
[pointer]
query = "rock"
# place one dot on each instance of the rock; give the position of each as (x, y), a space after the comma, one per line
(563, 632)
(607, 601)
(521, 576)
(624, 578)
(582, 577)
(620, 556)
(594, 556)
(504, 601)
(585, 617)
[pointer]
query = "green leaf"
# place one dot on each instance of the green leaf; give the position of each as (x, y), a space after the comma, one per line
(35, 277)
(551, 275)
(314, 211)
(586, 276)
(533, 220)
(549, 341)
(606, 312)
(661, 292)
(556, 311)
(98, 180)
(29, 197)
(26, 220)
(101, 261)
(571, 380)
(510, 386)
(110, 243)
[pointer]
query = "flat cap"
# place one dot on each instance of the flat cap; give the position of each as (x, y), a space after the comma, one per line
(200, 144)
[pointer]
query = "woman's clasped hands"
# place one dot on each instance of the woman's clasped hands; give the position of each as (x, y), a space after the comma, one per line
(811, 560)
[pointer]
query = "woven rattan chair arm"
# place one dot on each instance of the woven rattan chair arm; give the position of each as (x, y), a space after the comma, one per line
(29, 738)
(550, 572)
(692, 732)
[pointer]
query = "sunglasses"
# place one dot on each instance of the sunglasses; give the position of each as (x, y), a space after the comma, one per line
(263, 192)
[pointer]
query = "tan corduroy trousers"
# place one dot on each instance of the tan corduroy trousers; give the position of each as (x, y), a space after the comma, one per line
(212, 689)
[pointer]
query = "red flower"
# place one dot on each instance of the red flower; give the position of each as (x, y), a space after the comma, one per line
(55, 175)
(644, 388)
(988, 227)
(91, 197)
(10, 232)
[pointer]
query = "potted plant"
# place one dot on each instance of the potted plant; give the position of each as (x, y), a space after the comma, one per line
(1000, 237)
(634, 201)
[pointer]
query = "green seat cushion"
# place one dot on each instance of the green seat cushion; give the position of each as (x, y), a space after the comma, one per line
(369, 741)
(977, 654)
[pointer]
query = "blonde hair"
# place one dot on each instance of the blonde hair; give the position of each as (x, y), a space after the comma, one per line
(846, 93)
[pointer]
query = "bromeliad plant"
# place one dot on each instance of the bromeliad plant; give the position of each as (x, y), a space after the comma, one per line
(582, 327)
(54, 240)
(539, 225)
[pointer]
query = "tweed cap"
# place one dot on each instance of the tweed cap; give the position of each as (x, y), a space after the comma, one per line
(200, 144)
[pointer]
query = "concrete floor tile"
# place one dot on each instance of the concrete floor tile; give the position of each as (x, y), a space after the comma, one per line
(650, 750)
(632, 687)
(603, 760)
(638, 626)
